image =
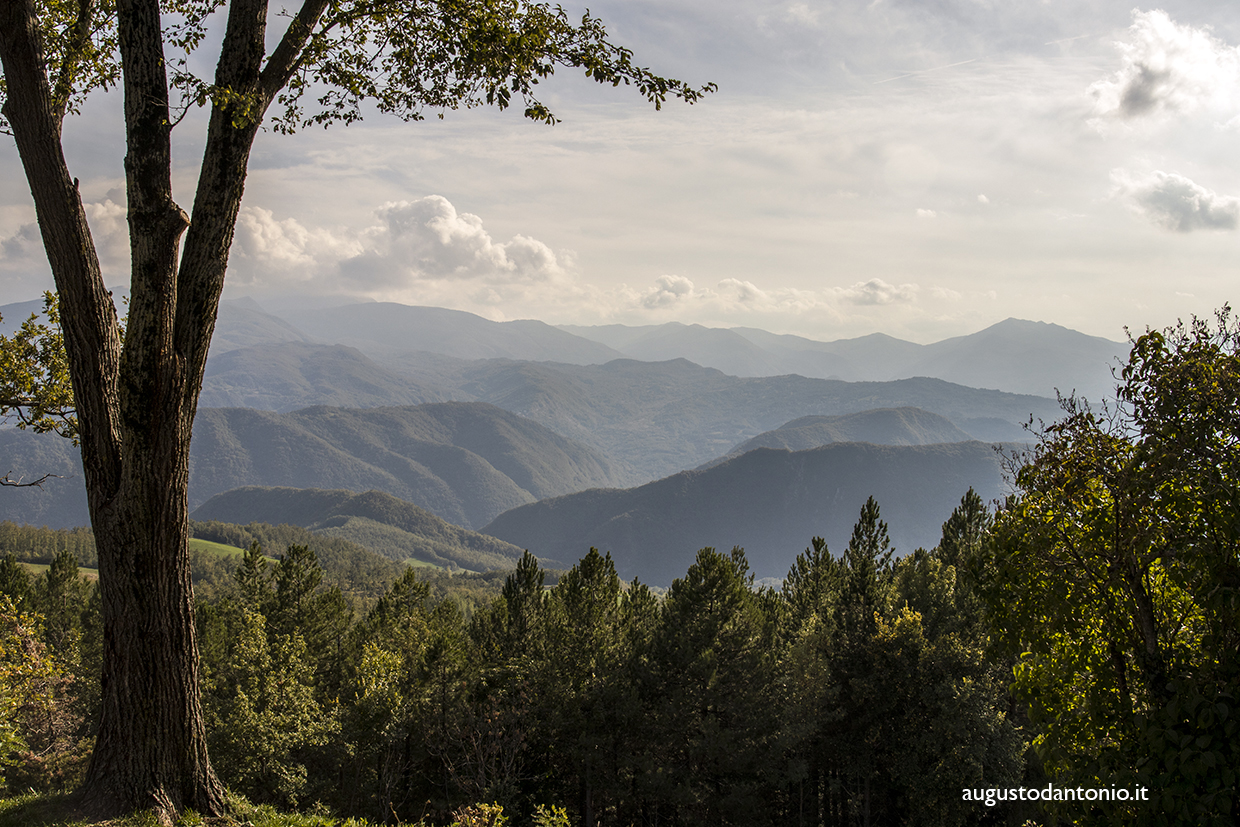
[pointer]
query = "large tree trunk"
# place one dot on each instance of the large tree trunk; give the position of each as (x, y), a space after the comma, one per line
(136, 404)
(151, 748)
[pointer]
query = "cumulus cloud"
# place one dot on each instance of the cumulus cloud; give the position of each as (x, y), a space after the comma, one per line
(1177, 203)
(926, 213)
(108, 228)
(23, 244)
(419, 243)
(877, 291)
(744, 292)
(668, 290)
(265, 248)
(1168, 67)
(429, 238)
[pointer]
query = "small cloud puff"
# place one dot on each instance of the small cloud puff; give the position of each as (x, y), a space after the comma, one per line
(877, 291)
(23, 244)
(1168, 68)
(982, 199)
(668, 290)
(1176, 203)
(926, 214)
(803, 14)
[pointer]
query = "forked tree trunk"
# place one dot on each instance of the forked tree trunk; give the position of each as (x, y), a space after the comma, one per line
(136, 405)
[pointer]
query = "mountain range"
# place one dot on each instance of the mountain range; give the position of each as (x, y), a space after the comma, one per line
(559, 438)
(464, 461)
(1014, 355)
(769, 501)
(650, 419)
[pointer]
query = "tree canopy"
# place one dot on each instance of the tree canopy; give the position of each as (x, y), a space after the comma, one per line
(1117, 568)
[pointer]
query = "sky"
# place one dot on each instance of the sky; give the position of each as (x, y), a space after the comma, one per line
(920, 168)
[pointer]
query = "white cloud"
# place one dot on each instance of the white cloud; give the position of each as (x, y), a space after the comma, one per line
(877, 291)
(429, 238)
(926, 213)
(1168, 67)
(668, 290)
(265, 248)
(108, 228)
(423, 243)
(982, 199)
(744, 292)
(26, 243)
(803, 14)
(1176, 203)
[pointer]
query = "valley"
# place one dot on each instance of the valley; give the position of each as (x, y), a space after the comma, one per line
(559, 439)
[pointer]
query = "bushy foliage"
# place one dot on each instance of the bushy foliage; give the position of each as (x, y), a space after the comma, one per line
(1116, 582)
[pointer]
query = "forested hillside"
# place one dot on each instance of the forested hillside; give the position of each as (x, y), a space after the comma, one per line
(650, 419)
(881, 426)
(465, 462)
(749, 702)
(765, 501)
(394, 528)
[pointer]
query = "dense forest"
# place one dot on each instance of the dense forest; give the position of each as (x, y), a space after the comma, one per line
(1080, 634)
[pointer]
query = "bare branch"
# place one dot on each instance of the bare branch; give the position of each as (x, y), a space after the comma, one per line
(8, 480)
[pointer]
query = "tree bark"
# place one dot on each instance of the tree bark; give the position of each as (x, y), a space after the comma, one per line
(136, 404)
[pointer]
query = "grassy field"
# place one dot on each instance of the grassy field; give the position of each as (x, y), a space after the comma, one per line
(206, 546)
(214, 548)
(39, 568)
(414, 562)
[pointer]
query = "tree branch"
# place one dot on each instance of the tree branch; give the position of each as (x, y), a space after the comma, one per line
(73, 54)
(91, 331)
(287, 55)
(7, 480)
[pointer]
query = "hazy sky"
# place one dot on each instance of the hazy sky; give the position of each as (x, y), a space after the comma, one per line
(923, 168)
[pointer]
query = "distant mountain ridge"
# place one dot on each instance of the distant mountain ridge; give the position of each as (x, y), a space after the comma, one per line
(771, 502)
(1014, 355)
(663, 417)
(464, 461)
(385, 329)
(880, 426)
(287, 376)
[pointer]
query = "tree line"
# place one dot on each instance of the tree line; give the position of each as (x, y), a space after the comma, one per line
(819, 703)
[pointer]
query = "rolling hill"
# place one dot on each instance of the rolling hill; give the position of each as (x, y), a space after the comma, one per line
(771, 502)
(882, 426)
(374, 520)
(464, 461)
